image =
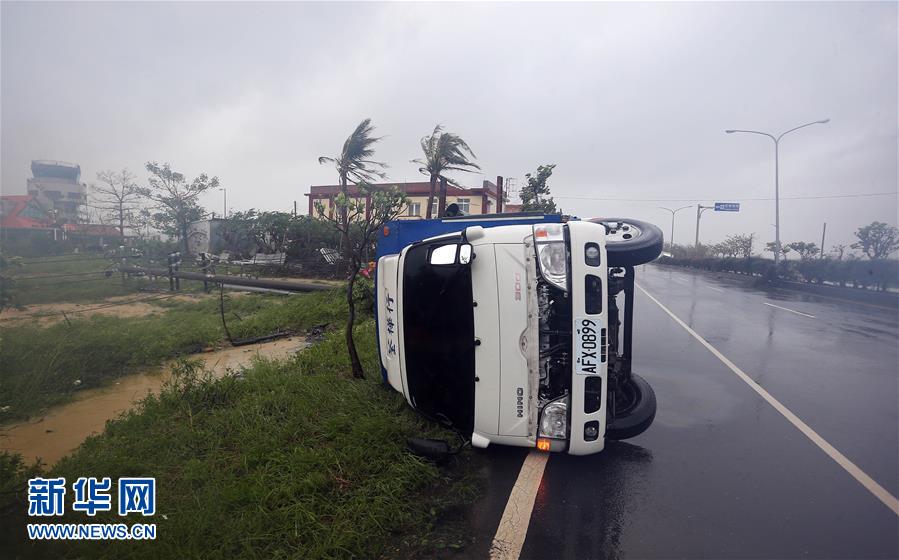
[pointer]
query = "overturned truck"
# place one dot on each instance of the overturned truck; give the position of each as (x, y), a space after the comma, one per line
(516, 329)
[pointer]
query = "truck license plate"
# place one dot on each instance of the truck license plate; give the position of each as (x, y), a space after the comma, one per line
(588, 352)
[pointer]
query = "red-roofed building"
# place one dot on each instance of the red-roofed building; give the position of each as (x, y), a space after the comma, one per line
(477, 200)
(28, 227)
(24, 223)
(23, 212)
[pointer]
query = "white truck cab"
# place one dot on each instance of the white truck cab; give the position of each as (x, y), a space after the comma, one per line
(508, 334)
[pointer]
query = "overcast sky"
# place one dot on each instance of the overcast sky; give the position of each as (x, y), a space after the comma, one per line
(629, 100)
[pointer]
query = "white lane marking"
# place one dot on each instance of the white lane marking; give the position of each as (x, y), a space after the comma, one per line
(790, 310)
(861, 476)
(513, 527)
(716, 289)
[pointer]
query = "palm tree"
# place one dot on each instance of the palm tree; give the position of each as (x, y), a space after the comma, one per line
(444, 151)
(353, 165)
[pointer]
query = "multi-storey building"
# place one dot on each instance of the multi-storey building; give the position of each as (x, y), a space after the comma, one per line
(60, 184)
(477, 200)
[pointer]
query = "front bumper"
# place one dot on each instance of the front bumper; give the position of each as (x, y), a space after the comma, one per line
(581, 233)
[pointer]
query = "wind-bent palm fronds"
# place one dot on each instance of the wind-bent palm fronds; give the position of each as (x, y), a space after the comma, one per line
(443, 152)
(354, 164)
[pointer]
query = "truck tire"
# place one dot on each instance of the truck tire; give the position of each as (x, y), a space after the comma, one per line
(638, 413)
(631, 242)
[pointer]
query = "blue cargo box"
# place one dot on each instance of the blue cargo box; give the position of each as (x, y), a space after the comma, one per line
(398, 234)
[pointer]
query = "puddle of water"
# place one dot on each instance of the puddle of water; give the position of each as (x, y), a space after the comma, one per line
(62, 429)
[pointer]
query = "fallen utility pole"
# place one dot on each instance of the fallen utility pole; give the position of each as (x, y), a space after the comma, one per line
(231, 280)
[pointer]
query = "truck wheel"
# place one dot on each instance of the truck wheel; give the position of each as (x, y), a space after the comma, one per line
(635, 405)
(631, 242)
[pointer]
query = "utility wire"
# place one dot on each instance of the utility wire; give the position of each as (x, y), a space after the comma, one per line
(859, 195)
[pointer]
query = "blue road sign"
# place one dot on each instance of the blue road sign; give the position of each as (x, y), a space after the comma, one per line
(727, 207)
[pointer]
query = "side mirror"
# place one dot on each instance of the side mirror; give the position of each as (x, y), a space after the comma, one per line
(465, 254)
(447, 254)
(443, 255)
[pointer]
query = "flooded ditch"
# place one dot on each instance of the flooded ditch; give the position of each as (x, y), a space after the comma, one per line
(60, 430)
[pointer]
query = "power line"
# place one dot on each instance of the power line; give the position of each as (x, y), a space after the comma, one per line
(859, 195)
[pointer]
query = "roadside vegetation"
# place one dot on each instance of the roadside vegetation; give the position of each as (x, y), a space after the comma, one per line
(44, 366)
(292, 459)
(301, 458)
(66, 278)
(869, 268)
(863, 274)
(356, 221)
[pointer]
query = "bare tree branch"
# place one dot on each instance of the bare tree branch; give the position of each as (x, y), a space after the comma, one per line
(119, 194)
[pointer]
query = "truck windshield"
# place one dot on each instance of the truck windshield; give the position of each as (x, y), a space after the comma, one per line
(438, 336)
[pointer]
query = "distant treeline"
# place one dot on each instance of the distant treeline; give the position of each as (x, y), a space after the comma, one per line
(880, 274)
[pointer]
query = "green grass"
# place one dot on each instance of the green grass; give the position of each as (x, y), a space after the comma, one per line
(296, 460)
(40, 365)
(82, 278)
(69, 278)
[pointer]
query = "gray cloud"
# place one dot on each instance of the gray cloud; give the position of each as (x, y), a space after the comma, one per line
(629, 100)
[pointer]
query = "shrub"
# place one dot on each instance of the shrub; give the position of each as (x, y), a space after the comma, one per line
(869, 274)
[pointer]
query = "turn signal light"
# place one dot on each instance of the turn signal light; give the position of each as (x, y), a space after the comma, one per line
(543, 444)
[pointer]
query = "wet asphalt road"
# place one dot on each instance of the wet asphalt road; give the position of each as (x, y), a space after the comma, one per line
(721, 473)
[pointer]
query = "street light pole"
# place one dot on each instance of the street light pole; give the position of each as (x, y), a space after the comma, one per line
(673, 212)
(699, 210)
(776, 140)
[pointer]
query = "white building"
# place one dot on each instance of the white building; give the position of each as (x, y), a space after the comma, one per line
(59, 183)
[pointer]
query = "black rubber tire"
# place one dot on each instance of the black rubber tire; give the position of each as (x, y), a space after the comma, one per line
(639, 416)
(632, 252)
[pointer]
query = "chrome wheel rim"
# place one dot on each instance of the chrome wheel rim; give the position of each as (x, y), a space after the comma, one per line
(619, 232)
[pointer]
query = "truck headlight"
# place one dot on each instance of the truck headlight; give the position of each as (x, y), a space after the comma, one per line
(552, 255)
(553, 259)
(554, 419)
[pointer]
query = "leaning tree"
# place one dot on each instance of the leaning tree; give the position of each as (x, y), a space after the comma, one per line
(443, 152)
(535, 196)
(355, 222)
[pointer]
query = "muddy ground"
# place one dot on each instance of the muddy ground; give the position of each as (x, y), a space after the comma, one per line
(138, 305)
(60, 430)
